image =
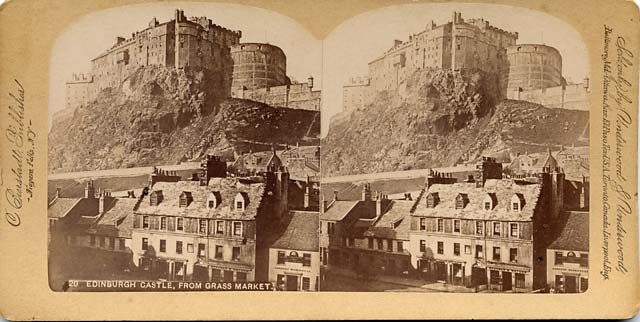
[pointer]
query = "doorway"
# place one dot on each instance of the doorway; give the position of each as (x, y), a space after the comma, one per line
(506, 281)
(571, 285)
(292, 283)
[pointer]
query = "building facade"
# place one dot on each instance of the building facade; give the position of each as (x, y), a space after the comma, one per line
(568, 255)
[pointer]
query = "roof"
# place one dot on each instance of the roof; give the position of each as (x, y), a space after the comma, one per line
(338, 210)
(504, 190)
(395, 222)
(575, 233)
(119, 215)
(198, 208)
(299, 231)
(60, 207)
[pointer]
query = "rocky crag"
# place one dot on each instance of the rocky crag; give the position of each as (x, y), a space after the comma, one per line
(441, 118)
(166, 116)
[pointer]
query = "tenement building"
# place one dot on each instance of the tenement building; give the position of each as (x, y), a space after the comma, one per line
(208, 229)
(568, 255)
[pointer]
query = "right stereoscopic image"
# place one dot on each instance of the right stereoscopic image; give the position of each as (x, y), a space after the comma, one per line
(455, 152)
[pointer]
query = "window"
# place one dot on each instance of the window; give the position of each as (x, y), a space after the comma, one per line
(584, 260)
(513, 255)
(163, 246)
(389, 245)
(281, 258)
(519, 280)
(423, 223)
(456, 225)
(516, 206)
(306, 259)
(513, 229)
(102, 241)
(400, 249)
(467, 249)
(351, 241)
(494, 277)
(145, 243)
(380, 244)
(456, 249)
(163, 223)
(122, 245)
(306, 283)
(145, 221)
(487, 205)
(220, 227)
(235, 254)
(189, 248)
(479, 251)
(179, 224)
(219, 251)
(201, 249)
(92, 242)
(112, 242)
(370, 242)
(558, 259)
(238, 204)
(440, 225)
(178, 247)
(440, 247)
(203, 226)
(241, 277)
(237, 228)
(423, 245)
(479, 228)
(496, 254)
(496, 229)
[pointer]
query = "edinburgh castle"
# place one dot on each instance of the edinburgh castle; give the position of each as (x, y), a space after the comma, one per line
(253, 71)
(531, 72)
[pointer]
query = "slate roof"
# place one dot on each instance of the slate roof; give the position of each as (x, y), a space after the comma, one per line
(504, 190)
(61, 207)
(575, 233)
(338, 210)
(198, 208)
(395, 221)
(119, 216)
(299, 231)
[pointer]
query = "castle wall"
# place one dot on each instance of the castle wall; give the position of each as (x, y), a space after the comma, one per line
(257, 66)
(356, 96)
(298, 96)
(77, 91)
(534, 66)
(572, 96)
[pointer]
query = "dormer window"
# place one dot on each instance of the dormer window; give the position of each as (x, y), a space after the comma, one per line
(432, 200)
(213, 200)
(241, 201)
(185, 199)
(155, 198)
(489, 201)
(517, 202)
(461, 200)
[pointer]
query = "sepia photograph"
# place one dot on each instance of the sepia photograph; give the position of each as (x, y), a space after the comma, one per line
(184, 147)
(455, 152)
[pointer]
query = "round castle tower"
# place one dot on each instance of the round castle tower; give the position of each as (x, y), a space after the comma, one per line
(257, 65)
(534, 66)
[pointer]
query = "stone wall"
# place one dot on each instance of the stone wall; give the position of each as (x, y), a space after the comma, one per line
(298, 96)
(572, 96)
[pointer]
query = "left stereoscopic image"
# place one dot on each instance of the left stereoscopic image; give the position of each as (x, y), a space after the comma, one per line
(183, 151)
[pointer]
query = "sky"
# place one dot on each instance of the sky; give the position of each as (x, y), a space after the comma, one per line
(349, 47)
(344, 53)
(95, 33)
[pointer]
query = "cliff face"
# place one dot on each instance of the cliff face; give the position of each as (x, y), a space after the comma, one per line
(440, 118)
(165, 116)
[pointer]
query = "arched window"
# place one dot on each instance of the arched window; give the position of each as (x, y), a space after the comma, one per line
(489, 201)
(461, 200)
(185, 199)
(241, 201)
(517, 202)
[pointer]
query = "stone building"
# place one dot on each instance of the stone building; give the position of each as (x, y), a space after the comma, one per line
(568, 255)
(534, 66)
(209, 229)
(257, 65)
(96, 226)
(294, 258)
(487, 234)
(255, 71)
